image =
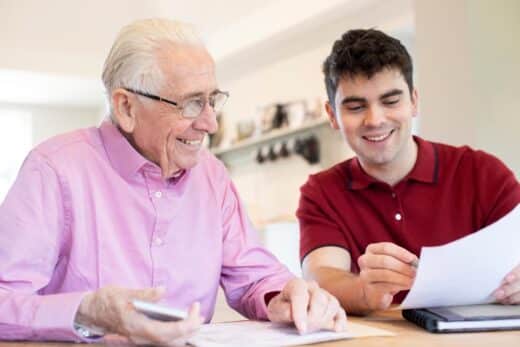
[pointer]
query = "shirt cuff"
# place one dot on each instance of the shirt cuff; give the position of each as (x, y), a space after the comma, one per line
(54, 317)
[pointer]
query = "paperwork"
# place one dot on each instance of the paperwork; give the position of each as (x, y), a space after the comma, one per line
(468, 270)
(254, 333)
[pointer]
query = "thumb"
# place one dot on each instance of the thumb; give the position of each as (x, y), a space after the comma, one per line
(149, 294)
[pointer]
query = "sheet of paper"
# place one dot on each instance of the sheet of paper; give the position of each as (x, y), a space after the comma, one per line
(468, 270)
(254, 333)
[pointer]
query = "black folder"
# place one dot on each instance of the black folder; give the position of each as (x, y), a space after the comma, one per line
(466, 318)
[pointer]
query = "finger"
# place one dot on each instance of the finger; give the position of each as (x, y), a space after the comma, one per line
(297, 292)
(340, 320)
(147, 294)
(506, 293)
(374, 276)
(512, 276)
(319, 315)
(391, 249)
(167, 333)
(279, 310)
(378, 297)
(385, 262)
(330, 314)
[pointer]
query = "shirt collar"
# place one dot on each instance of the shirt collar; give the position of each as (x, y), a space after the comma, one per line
(123, 157)
(425, 168)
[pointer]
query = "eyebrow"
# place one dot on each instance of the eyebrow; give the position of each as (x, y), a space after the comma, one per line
(393, 92)
(350, 99)
(198, 94)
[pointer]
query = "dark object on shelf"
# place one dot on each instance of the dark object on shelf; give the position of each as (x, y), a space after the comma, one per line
(280, 118)
(272, 154)
(259, 156)
(284, 151)
(298, 146)
(311, 150)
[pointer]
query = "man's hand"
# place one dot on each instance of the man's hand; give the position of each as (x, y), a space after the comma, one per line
(308, 306)
(509, 290)
(111, 308)
(385, 270)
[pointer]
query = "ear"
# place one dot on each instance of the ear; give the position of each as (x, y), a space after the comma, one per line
(332, 116)
(415, 102)
(123, 109)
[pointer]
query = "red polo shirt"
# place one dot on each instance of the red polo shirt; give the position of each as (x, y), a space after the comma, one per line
(450, 193)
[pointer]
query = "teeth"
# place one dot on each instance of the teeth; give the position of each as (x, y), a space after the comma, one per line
(191, 143)
(378, 138)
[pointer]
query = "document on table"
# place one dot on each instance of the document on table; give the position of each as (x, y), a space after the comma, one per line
(468, 270)
(255, 333)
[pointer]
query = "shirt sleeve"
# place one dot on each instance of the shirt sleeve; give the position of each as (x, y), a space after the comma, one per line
(33, 222)
(249, 271)
(317, 224)
(497, 188)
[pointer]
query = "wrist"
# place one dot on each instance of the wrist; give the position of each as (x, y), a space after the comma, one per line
(83, 314)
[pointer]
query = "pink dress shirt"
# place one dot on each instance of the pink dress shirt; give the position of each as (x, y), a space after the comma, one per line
(88, 211)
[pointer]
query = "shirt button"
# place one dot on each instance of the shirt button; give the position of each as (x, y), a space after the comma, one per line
(158, 194)
(158, 241)
(398, 216)
(393, 195)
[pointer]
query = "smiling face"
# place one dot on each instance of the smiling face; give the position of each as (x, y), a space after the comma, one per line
(157, 129)
(375, 117)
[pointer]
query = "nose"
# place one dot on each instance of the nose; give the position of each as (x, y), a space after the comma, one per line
(374, 117)
(207, 120)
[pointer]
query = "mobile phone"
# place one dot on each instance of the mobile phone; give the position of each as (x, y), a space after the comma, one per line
(159, 312)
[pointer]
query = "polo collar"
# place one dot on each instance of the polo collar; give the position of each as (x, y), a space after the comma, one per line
(425, 169)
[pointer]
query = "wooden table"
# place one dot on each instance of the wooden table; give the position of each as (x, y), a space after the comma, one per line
(407, 334)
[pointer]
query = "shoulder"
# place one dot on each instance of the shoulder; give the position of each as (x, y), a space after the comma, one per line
(331, 178)
(467, 158)
(69, 147)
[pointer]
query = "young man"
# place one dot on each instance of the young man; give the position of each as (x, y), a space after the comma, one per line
(138, 209)
(364, 221)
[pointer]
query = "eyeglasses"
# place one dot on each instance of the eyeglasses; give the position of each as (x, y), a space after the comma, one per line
(191, 108)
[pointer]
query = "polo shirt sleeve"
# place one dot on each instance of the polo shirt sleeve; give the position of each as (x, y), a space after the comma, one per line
(249, 271)
(318, 227)
(32, 222)
(497, 188)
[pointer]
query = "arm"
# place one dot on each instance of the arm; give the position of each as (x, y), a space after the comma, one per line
(249, 271)
(33, 228)
(34, 234)
(385, 270)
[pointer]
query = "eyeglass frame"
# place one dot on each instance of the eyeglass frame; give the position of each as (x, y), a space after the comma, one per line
(174, 103)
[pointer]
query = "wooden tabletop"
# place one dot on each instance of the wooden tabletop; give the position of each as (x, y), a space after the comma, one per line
(407, 334)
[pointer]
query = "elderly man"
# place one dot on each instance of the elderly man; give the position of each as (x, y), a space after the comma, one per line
(138, 209)
(364, 221)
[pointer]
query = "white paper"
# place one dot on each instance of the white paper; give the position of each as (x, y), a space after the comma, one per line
(254, 333)
(467, 271)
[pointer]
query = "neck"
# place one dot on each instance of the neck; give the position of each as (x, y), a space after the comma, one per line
(393, 172)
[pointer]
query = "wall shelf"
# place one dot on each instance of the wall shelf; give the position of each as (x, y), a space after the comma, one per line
(273, 136)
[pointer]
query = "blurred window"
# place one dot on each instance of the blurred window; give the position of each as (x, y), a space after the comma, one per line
(15, 144)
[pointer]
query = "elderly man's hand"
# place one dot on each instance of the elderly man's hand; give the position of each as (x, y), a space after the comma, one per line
(111, 309)
(509, 290)
(308, 306)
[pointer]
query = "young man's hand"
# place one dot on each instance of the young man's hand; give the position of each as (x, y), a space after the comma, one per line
(111, 309)
(509, 290)
(308, 306)
(385, 270)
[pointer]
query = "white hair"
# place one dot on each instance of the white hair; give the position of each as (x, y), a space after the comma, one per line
(132, 61)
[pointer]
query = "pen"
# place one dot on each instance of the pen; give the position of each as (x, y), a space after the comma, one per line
(415, 263)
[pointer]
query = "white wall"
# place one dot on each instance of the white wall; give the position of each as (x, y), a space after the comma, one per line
(468, 65)
(48, 121)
